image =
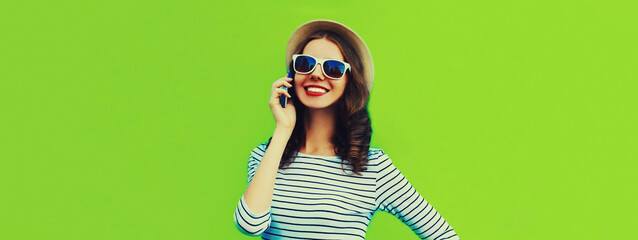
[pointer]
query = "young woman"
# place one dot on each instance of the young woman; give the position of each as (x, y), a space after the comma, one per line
(317, 177)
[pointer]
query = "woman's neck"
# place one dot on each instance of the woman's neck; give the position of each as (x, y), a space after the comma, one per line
(320, 125)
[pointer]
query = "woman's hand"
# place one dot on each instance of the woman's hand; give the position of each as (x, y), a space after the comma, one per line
(285, 118)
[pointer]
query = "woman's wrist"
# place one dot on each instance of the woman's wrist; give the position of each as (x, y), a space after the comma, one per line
(283, 132)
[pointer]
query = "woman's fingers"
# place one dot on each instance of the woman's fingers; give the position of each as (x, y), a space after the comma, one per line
(277, 90)
(282, 91)
(282, 82)
(285, 84)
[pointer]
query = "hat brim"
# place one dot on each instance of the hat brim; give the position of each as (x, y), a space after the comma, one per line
(348, 34)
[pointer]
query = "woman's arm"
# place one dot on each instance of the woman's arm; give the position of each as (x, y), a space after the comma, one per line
(396, 195)
(252, 215)
(258, 195)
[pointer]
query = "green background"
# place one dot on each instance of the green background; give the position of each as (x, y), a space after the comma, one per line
(135, 119)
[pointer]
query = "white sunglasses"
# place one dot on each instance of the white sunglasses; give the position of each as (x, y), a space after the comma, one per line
(331, 68)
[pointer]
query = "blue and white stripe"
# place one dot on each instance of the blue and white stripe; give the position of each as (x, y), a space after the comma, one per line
(315, 199)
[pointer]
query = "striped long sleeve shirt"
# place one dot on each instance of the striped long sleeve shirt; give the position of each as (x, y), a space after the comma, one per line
(315, 199)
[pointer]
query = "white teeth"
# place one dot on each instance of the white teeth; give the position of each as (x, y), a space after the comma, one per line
(316, 89)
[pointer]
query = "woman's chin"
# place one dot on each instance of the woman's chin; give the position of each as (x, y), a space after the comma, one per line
(316, 104)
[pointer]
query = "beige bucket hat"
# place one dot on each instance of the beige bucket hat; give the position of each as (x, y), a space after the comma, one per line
(348, 34)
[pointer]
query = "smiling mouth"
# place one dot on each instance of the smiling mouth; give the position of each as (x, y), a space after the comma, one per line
(316, 90)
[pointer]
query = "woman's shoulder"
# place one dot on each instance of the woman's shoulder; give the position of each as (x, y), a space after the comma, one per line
(374, 151)
(377, 155)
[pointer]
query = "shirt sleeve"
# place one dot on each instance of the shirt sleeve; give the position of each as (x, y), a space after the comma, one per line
(246, 220)
(395, 195)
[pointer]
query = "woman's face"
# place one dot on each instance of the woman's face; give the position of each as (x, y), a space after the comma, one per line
(325, 49)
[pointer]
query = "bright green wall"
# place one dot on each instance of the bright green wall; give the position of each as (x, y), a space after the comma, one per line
(135, 119)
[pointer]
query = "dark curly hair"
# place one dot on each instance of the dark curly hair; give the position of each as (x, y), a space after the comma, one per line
(353, 129)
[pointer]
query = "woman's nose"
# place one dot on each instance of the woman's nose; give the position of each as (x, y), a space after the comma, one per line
(317, 73)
